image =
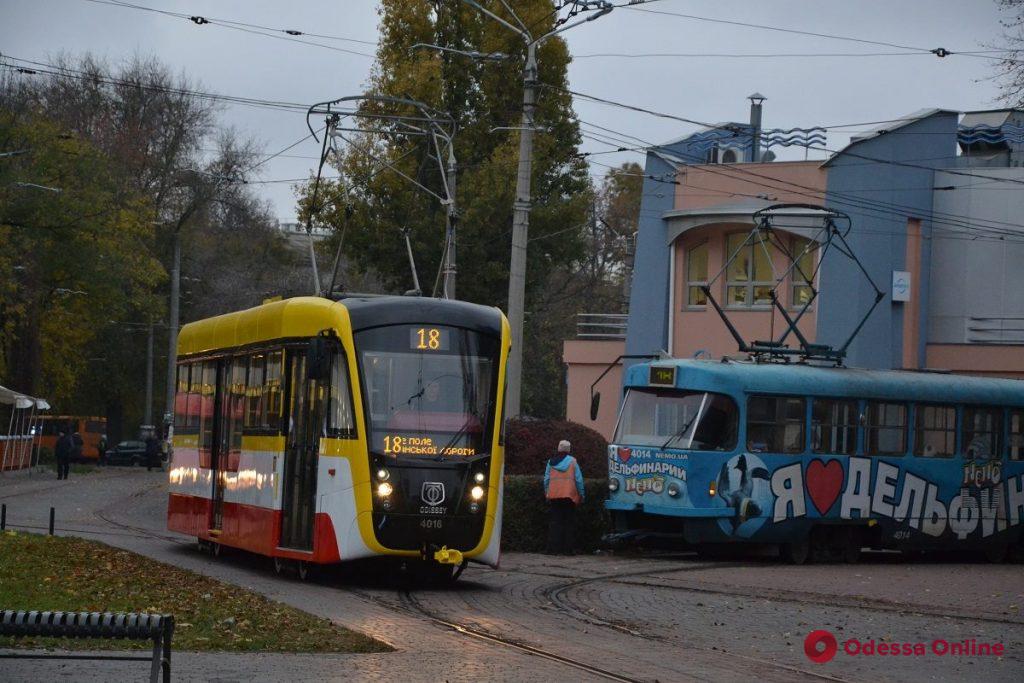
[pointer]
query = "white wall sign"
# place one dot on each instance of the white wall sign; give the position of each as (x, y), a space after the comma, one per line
(900, 285)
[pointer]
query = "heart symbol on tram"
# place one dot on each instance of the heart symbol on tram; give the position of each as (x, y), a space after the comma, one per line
(823, 483)
(625, 454)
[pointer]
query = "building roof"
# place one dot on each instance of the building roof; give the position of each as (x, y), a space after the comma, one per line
(800, 221)
(889, 127)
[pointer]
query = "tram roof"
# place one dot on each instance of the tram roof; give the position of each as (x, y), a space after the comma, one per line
(306, 316)
(737, 377)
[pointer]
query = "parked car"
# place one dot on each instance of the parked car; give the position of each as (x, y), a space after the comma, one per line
(127, 453)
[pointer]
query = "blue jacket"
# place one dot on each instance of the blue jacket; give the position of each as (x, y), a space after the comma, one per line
(561, 463)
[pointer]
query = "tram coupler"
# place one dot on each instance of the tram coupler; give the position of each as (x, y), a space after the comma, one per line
(448, 555)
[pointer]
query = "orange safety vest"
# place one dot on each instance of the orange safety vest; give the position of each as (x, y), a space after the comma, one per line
(563, 484)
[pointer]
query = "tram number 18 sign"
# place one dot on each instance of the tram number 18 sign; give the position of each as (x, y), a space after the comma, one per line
(428, 339)
(663, 376)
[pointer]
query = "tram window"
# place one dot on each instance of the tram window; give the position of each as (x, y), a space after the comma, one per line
(342, 423)
(273, 391)
(834, 426)
(254, 390)
(206, 398)
(1017, 435)
(193, 400)
(935, 431)
(775, 424)
(983, 433)
(181, 396)
(886, 430)
(691, 420)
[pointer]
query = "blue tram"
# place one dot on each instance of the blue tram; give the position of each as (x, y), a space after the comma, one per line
(819, 461)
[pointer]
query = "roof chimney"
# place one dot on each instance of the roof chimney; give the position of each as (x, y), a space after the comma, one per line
(755, 125)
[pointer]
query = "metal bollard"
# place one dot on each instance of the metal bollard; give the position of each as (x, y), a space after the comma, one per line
(3, 516)
(51, 521)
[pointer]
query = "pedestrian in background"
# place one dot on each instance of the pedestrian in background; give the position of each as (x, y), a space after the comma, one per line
(101, 448)
(152, 453)
(563, 487)
(62, 451)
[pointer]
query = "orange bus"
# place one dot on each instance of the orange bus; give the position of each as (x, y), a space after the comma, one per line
(91, 429)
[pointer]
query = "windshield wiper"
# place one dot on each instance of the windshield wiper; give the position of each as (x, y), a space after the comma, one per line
(680, 433)
(686, 427)
(462, 430)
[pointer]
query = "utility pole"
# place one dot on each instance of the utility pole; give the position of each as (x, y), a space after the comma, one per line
(172, 328)
(521, 208)
(449, 252)
(148, 419)
(520, 235)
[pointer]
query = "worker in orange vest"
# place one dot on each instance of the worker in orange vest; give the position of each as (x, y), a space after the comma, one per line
(563, 487)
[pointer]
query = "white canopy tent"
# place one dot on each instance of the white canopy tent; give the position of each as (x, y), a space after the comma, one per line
(18, 441)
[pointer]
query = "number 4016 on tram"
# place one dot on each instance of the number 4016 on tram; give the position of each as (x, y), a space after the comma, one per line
(316, 431)
(819, 461)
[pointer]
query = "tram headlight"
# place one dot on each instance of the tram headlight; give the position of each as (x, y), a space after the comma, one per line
(479, 477)
(613, 484)
(384, 489)
(673, 489)
(474, 507)
(383, 474)
(476, 493)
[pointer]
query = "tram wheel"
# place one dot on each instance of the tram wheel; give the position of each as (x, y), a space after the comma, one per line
(797, 552)
(303, 570)
(852, 546)
(216, 549)
(279, 566)
(997, 552)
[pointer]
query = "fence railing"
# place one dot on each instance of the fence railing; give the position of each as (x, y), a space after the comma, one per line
(601, 325)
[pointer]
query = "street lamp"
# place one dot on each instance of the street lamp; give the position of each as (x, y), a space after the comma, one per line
(521, 207)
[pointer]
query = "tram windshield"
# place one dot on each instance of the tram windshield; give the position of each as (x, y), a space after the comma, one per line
(688, 420)
(428, 390)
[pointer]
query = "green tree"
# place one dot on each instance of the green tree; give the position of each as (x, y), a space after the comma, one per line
(77, 253)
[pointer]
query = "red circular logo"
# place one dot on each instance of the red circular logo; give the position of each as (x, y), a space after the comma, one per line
(820, 646)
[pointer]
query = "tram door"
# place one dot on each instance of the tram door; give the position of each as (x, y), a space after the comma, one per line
(305, 422)
(218, 454)
(229, 410)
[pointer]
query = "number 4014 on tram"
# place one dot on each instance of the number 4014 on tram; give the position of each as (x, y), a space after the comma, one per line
(317, 431)
(819, 461)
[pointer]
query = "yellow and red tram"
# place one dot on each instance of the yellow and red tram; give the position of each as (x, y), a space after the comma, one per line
(317, 431)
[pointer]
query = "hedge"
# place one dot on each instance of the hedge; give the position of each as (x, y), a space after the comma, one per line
(525, 516)
(530, 443)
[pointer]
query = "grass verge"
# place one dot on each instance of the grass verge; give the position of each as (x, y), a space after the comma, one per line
(72, 575)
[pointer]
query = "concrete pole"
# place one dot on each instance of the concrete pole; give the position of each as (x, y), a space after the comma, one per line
(148, 419)
(172, 329)
(449, 257)
(520, 234)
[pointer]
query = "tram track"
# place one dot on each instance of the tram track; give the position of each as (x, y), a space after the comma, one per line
(794, 597)
(557, 596)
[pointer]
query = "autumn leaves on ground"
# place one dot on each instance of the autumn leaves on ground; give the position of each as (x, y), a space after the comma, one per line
(70, 574)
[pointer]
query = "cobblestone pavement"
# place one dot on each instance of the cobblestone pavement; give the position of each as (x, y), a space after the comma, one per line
(665, 617)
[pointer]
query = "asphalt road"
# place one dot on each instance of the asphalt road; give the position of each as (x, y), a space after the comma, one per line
(601, 617)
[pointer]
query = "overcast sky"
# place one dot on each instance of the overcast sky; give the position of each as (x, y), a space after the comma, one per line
(801, 91)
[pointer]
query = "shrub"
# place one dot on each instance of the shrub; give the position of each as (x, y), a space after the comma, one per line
(525, 516)
(530, 443)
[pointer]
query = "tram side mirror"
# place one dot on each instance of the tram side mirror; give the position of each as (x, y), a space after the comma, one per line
(595, 404)
(318, 359)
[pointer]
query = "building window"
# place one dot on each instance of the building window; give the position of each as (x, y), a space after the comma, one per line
(983, 433)
(775, 424)
(886, 431)
(804, 254)
(935, 431)
(1017, 435)
(834, 426)
(749, 277)
(696, 274)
